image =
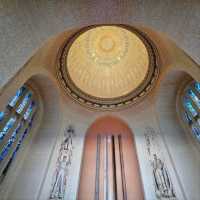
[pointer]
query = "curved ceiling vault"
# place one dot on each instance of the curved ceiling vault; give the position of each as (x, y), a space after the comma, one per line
(108, 66)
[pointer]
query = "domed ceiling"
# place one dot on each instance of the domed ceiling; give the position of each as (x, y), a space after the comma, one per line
(108, 66)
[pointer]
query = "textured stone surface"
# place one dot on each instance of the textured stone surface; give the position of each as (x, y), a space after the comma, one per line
(25, 25)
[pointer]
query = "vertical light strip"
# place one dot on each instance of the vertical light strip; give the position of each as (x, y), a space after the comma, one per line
(97, 167)
(106, 183)
(114, 169)
(112, 185)
(111, 179)
(119, 187)
(122, 168)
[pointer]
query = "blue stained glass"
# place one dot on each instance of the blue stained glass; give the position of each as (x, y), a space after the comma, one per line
(30, 120)
(198, 122)
(5, 150)
(188, 105)
(194, 97)
(28, 115)
(196, 132)
(24, 102)
(197, 86)
(6, 128)
(19, 143)
(16, 131)
(18, 94)
(188, 118)
(1, 116)
(12, 139)
(29, 110)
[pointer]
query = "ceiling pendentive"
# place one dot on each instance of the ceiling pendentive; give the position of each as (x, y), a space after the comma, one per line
(108, 66)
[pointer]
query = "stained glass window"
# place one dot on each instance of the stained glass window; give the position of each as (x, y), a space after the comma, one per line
(6, 148)
(1, 116)
(188, 106)
(194, 97)
(18, 119)
(29, 110)
(196, 131)
(7, 127)
(24, 102)
(191, 107)
(197, 86)
(187, 118)
(18, 94)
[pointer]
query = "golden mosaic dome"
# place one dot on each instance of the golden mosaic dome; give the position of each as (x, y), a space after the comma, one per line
(107, 66)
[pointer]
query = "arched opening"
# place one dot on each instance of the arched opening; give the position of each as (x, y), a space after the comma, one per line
(179, 144)
(110, 168)
(16, 123)
(188, 108)
(38, 148)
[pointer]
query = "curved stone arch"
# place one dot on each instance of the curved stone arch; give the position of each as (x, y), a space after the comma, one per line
(113, 127)
(180, 110)
(181, 61)
(38, 148)
(102, 124)
(172, 57)
(42, 64)
(173, 134)
(45, 59)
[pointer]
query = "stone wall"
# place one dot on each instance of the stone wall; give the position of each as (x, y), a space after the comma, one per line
(155, 115)
(27, 24)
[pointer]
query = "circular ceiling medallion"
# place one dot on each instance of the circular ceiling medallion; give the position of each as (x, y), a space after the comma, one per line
(108, 66)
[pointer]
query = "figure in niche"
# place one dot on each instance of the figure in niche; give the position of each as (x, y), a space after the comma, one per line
(163, 184)
(63, 163)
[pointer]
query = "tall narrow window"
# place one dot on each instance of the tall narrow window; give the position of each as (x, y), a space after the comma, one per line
(29, 110)
(194, 97)
(191, 108)
(24, 102)
(7, 127)
(17, 96)
(197, 86)
(15, 123)
(187, 118)
(1, 116)
(196, 131)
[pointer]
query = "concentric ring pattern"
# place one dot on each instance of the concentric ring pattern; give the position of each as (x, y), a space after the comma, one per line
(108, 66)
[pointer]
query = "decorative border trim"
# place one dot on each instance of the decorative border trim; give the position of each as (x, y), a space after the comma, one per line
(96, 103)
